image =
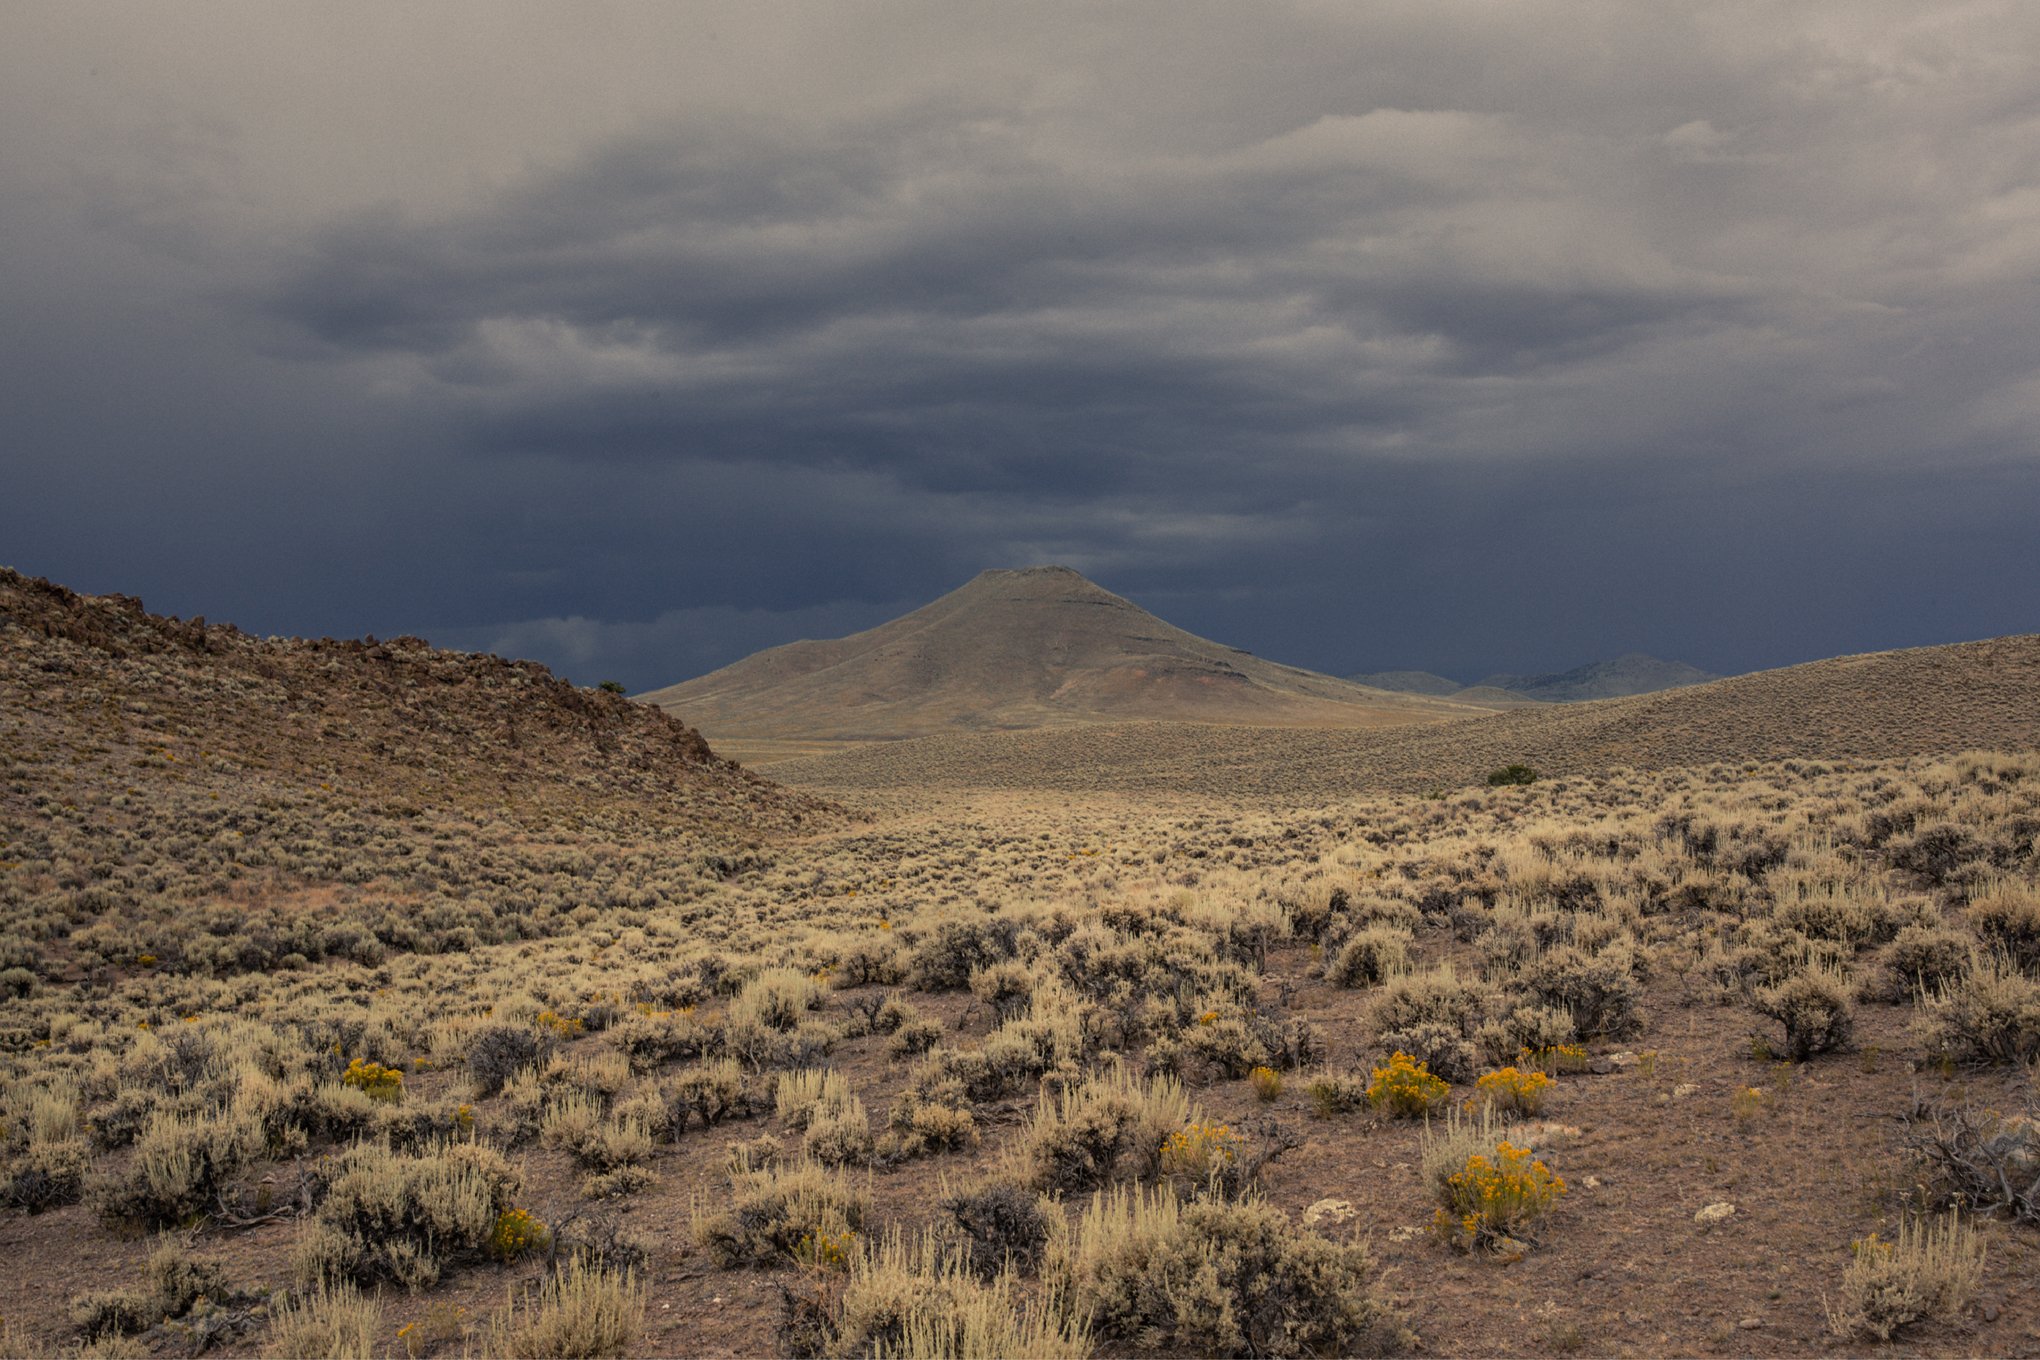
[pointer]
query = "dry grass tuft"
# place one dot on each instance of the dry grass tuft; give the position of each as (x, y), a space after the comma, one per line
(328, 1322)
(579, 1313)
(920, 1304)
(1930, 1270)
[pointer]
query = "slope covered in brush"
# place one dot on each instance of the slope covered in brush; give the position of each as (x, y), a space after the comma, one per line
(1878, 705)
(95, 690)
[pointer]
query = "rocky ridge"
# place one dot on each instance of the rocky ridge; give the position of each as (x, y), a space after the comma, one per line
(144, 699)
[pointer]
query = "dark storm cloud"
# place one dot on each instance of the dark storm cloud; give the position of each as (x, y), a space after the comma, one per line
(1469, 336)
(922, 295)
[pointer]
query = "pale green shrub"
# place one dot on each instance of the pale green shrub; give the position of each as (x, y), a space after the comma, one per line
(1110, 1127)
(710, 1091)
(579, 1313)
(799, 1097)
(327, 1322)
(1989, 1018)
(840, 1133)
(180, 1162)
(1431, 1016)
(1599, 991)
(1217, 1278)
(172, 1280)
(934, 1117)
(2007, 916)
(1923, 958)
(1814, 1010)
(768, 1213)
(404, 1217)
(1930, 1270)
(915, 1304)
(777, 999)
(1370, 956)
(1334, 1093)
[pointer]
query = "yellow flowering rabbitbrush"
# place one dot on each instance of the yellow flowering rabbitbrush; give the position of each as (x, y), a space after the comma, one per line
(1267, 1083)
(1492, 1198)
(379, 1082)
(1200, 1150)
(826, 1250)
(1406, 1088)
(565, 1026)
(1514, 1092)
(516, 1233)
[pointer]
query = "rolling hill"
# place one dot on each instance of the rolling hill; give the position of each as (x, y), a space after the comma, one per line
(97, 693)
(1039, 647)
(1882, 704)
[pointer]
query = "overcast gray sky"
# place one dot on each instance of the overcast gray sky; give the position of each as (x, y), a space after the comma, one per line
(1463, 336)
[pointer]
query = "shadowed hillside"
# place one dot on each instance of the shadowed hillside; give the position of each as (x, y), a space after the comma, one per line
(1629, 674)
(1041, 647)
(106, 690)
(1409, 682)
(1632, 673)
(1881, 704)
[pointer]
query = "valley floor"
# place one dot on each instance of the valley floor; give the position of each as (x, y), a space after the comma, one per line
(279, 1079)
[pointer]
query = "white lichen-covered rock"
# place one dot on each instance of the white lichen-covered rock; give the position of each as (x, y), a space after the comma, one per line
(1550, 1133)
(1328, 1211)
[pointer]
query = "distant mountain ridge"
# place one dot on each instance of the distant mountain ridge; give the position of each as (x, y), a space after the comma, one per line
(1409, 682)
(1627, 675)
(1016, 649)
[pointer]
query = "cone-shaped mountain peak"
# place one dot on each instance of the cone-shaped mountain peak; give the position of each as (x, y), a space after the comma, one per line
(1032, 647)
